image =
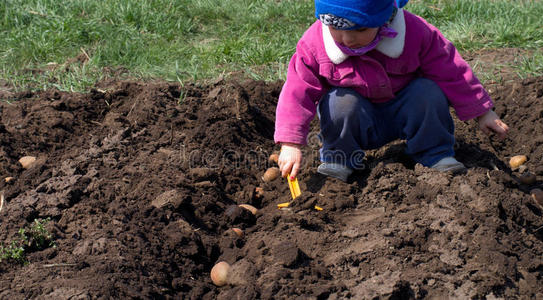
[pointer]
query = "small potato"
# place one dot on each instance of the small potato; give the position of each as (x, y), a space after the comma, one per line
(537, 195)
(271, 174)
(250, 208)
(528, 178)
(220, 273)
(517, 160)
(238, 232)
(274, 158)
(27, 161)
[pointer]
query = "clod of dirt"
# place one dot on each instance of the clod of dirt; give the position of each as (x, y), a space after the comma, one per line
(27, 161)
(259, 192)
(539, 170)
(271, 174)
(528, 178)
(9, 179)
(166, 198)
(517, 160)
(199, 174)
(241, 272)
(286, 253)
(220, 273)
(306, 201)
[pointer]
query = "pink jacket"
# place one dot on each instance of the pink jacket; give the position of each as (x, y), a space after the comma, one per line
(419, 50)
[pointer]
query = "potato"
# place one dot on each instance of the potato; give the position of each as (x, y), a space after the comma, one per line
(238, 232)
(27, 161)
(537, 195)
(274, 158)
(271, 174)
(517, 160)
(250, 208)
(220, 273)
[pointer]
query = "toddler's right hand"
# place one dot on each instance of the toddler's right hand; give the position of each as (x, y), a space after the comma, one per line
(290, 159)
(490, 122)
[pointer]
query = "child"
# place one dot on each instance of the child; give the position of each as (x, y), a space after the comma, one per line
(374, 73)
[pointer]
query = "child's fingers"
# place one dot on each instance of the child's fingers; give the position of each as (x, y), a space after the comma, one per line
(500, 132)
(500, 128)
(282, 162)
(485, 129)
(294, 171)
(502, 125)
(289, 160)
(286, 169)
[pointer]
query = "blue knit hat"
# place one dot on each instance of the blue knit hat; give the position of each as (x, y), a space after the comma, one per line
(353, 14)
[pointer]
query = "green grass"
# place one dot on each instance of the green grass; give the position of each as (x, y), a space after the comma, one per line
(530, 65)
(185, 40)
(485, 24)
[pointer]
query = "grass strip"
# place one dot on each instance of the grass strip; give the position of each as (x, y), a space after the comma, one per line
(73, 44)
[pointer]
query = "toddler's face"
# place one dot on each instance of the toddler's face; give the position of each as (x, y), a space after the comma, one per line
(354, 38)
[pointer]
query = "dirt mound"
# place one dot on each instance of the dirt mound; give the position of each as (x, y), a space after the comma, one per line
(141, 182)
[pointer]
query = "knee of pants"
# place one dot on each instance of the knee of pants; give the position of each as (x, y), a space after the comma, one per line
(340, 104)
(425, 95)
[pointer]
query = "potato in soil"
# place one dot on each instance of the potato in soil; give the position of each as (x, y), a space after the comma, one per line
(537, 195)
(271, 174)
(517, 160)
(250, 208)
(27, 161)
(219, 273)
(274, 158)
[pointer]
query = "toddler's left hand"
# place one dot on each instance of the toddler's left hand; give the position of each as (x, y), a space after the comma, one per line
(490, 122)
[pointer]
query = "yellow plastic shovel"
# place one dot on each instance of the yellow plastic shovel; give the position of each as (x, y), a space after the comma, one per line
(294, 187)
(294, 192)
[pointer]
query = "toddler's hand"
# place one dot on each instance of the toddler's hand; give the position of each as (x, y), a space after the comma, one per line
(490, 122)
(290, 159)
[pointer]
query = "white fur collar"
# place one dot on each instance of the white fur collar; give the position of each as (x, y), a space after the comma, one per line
(391, 47)
(333, 51)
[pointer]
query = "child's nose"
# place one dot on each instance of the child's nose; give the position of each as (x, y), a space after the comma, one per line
(349, 40)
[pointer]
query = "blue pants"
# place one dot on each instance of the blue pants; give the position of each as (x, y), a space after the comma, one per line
(419, 114)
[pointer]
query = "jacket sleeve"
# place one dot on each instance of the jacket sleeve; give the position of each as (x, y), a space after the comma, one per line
(298, 99)
(441, 62)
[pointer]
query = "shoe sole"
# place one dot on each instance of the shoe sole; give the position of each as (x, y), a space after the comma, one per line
(455, 169)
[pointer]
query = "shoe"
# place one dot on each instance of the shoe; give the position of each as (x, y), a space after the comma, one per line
(449, 164)
(338, 171)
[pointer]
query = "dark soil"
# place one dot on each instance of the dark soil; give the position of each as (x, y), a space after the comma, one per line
(142, 182)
